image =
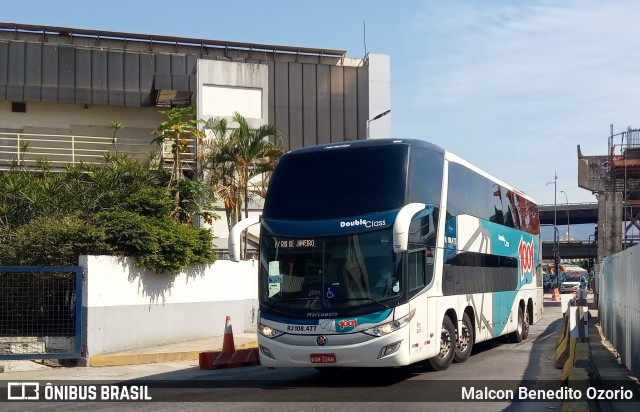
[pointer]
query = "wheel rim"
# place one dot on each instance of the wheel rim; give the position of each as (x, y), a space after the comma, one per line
(526, 321)
(463, 339)
(445, 342)
(520, 326)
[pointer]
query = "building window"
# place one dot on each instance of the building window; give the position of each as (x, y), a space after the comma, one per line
(18, 107)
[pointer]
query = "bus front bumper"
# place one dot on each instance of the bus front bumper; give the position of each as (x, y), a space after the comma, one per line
(386, 351)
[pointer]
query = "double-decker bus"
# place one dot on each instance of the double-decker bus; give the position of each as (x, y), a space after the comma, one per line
(387, 252)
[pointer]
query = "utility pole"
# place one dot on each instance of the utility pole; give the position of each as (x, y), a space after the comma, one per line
(556, 255)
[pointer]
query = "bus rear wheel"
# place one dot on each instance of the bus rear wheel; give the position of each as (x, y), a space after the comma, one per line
(465, 340)
(519, 334)
(525, 325)
(443, 360)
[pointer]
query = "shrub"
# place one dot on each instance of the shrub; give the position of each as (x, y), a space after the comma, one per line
(52, 241)
(160, 244)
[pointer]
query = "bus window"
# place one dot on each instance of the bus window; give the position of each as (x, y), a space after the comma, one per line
(420, 270)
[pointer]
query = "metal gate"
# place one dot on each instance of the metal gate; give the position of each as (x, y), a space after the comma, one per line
(40, 312)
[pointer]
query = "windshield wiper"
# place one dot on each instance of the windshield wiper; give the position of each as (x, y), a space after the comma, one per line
(367, 299)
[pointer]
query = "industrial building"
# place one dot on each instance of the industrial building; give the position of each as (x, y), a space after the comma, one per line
(62, 89)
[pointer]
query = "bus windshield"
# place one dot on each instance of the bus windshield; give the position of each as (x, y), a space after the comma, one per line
(329, 273)
(338, 182)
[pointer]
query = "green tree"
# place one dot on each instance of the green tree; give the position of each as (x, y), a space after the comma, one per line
(236, 157)
(122, 207)
(180, 129)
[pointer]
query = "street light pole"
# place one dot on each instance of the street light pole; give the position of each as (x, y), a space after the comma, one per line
(556, 237)
(568, 224)
(376, 118)
(589, 254)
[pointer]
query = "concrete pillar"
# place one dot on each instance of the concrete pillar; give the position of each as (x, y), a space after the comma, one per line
(609, 223)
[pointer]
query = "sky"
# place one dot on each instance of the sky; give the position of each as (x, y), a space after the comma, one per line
(512, 86)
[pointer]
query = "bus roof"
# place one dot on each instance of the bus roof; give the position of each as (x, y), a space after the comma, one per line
(412, 143)
(369, 143)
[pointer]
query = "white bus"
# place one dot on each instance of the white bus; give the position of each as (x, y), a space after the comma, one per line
(388, 252)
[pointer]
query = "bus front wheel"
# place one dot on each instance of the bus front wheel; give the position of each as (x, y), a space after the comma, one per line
(465, 340)
(443, 360)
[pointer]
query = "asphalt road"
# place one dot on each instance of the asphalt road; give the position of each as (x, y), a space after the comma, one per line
(498, 364)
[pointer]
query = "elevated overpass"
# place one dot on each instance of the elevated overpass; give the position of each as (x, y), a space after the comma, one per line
(575, 249)
(572, 213)
(569, 214)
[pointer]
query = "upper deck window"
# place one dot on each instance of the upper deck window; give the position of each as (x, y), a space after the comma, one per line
(339, 182)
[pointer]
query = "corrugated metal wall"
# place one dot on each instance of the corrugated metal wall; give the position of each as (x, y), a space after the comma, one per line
(315, 104)
(619, 305)
(309, 103)
(70, 74)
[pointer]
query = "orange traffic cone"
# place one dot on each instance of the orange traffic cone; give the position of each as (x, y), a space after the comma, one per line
(227, 343)
(229, 357)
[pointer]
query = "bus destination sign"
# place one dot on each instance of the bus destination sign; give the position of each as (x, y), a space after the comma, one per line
(294, 243)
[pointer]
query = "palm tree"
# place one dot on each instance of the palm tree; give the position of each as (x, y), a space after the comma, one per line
(220, 160)
(255, 155)
(236, 157)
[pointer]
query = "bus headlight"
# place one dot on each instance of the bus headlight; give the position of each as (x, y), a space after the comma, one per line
(389, 327)
(268, 331)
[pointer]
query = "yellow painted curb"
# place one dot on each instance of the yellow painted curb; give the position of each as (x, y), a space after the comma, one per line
(579, 379)
(568, 364)
(582, 352)
(564, 333)
(574, 406)
(562, 348)
(249, 345)
(143, 358)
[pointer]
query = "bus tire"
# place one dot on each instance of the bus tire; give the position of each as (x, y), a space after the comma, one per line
(443, 360)
(465, 340)
(517, 335)
(526, 323)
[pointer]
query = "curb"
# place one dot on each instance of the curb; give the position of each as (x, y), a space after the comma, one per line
(145, 358)
(573, 356)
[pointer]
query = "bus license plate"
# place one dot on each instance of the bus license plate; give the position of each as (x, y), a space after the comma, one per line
(323, 358)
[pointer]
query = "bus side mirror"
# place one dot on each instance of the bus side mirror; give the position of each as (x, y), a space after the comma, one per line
(234, 236)
(401, 226)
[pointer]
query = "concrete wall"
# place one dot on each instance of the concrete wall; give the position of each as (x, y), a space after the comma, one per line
(127, 307)
(69, 118)
(226, 87)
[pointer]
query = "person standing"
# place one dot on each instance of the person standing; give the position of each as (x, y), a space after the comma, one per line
(581, 297)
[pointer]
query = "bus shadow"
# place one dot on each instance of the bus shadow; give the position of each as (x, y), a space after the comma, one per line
(540, 372)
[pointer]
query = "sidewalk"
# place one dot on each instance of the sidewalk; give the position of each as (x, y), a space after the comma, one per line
(607, 371)
(188, 350)
(173, 352)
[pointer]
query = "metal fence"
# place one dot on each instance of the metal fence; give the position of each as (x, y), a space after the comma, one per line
(619, 305)
(28, 150)
(40, 312)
